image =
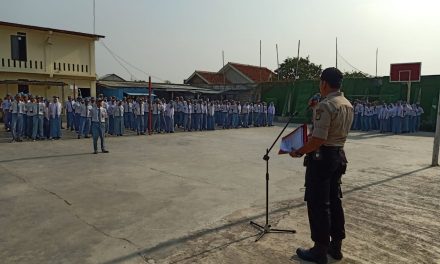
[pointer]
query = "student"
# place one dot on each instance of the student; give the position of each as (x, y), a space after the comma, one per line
(271, 113)
(139, 112)
(419, 113)
(55, 119)
(118, 113)
(99, 115)
(77, 113)
(86, 119)
(70, 113)
(38, 119)
(169, 117)
(17, 109)
(7, 116)
(211, 116)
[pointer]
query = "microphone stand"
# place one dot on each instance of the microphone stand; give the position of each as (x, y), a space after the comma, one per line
(267, 227)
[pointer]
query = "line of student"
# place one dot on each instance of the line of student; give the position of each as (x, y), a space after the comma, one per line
(399, 117)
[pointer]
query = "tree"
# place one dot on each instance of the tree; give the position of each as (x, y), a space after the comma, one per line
(355, 74)
(307, 70)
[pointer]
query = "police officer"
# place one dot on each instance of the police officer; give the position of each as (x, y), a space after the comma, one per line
(325, 164)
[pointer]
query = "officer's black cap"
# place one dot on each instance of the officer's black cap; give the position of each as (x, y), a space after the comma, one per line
(333, 77)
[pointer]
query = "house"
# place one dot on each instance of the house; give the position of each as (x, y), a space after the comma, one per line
(234, 80)
(114, 85)
(46, 61)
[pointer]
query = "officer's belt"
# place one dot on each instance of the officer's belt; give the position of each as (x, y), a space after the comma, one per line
(333, 148)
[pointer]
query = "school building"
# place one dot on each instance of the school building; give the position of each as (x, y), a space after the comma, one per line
(46, 61)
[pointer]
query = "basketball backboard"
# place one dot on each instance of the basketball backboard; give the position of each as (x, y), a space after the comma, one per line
(405, 72)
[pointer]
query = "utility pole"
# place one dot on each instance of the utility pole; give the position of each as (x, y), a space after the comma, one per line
(435, 151)
(278, 62)
(377, 52)
(94, 17)
(336, 53)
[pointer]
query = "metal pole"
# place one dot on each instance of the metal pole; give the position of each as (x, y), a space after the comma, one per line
(94, 17)
(260, 61)
(278, 62)
(336, 53)
(149, 105)
(377, 51)
(435, 151)
(224, 76)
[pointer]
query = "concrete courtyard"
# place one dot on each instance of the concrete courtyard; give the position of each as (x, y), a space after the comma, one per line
(188, 198)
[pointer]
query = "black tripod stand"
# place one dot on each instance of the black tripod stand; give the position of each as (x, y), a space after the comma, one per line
(267, 228)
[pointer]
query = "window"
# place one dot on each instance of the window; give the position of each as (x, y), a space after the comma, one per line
(64, 66)
(59, 66)
(41, 65)
(55, 66)
(30, 64)
(18, 47)
(77, 67)
(68, 66)
(82, 68)
(3, 62)
(23, 88)
(36, 65)
(87, 68)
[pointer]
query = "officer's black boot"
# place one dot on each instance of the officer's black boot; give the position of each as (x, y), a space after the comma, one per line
(317, 254)
(335, 249)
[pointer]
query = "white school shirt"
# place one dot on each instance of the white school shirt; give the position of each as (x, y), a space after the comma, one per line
(185, 109)
(54, 109)
(17, 107)
(169, 111)
(77, 107)
(69, 106)
(85, 110)
(39, 108)
(118, 110)
(94, 113)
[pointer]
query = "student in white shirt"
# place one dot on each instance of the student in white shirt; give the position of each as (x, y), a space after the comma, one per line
(99, 115)
(86, 119)
(169, 117)
(55, 119)
(118, 115)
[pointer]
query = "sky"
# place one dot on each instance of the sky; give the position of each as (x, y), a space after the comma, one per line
(170, 39)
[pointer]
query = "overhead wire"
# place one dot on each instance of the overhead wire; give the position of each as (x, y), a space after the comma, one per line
(353, 67)
(117, 60)
(130, 64)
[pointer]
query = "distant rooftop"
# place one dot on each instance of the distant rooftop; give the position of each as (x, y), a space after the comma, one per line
(9, 24)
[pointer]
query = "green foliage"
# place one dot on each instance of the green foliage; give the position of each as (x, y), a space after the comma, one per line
(307, 70)
(355, 75)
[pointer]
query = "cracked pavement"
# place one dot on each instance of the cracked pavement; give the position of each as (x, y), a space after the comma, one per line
(188, 198)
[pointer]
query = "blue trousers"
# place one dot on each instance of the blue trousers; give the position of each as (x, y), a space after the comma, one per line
(16, 126)
(98, 131)
(210, 122)
(169, 124)
(139, 124)
(55, 127)
(77, 122)
(111, 124)
(204, 121)
(37, 127)
(146, 122)
(234, 121)
(118, 125)
(127, 119)
(70, 120)
(397, 125)
(85, 126)
(156, 123)
(187, 122)
(270, 119)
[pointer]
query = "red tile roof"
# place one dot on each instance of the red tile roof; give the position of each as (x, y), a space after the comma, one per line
(213, 77)
(253, 72)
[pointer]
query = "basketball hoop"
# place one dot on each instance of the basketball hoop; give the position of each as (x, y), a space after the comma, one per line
(406, 73)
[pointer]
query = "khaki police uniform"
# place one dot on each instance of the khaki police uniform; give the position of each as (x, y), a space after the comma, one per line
(332, 122)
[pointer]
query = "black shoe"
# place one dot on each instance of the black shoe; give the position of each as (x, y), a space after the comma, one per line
(334, 250)
(105, 151)
(316, 254)
(95, 152)
(79, 136)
